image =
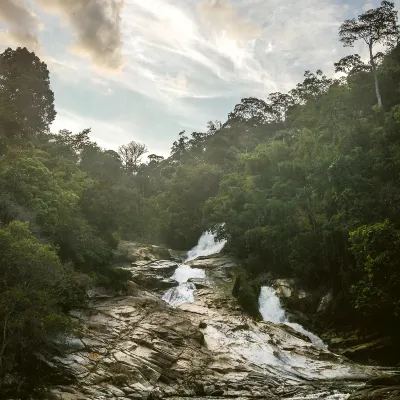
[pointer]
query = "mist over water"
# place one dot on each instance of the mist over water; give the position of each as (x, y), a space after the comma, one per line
(271, 310)
(184, 292)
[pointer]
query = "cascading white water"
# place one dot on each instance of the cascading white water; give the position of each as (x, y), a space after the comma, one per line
(184, 292)
(272, 311)
(184, 272)
(270, 306)
(269, 303)
(206, 246)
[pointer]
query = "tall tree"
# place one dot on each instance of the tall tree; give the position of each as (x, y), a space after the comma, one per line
(375, 26)
(131, 155)
(26, 99)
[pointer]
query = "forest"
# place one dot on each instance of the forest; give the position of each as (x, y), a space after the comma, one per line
(304, 184)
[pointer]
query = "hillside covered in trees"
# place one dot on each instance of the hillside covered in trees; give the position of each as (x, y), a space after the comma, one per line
(304, 184)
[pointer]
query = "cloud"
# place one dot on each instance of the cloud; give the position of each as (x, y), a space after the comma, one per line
(23, 25)
(226, 48)
(97, 27)
(186, 61)
(368, 6)
(177, 84)
(220, 15)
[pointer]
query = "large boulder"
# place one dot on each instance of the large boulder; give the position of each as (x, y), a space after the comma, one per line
(293, 298)
(247, 294)
(153, 275)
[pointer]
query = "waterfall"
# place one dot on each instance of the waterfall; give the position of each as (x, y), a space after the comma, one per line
(206, 246)
(183, 273)
(184, 292)
(272, 311)
(270, 306)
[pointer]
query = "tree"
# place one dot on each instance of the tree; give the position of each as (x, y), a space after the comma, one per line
(197, 142)
(35, 289)
(252, 109)
(131, 155)
(351, 64)
(280, 104)
(376, 251)
(154, 159)
(375, 26)
(26, 99)
(312, 86)
(213, 127)
(180, 146)
(77, 142)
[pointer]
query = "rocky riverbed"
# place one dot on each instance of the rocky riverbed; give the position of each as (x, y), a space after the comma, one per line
(136, 346)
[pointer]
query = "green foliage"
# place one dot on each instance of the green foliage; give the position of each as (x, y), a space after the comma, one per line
(26, 100)
(35, 291)
(376, 249)
(290, 203)
(178, 219)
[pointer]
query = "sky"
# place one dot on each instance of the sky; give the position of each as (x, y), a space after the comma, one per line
(144, 70)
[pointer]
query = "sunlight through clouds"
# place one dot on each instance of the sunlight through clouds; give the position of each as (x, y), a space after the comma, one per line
(191, 60)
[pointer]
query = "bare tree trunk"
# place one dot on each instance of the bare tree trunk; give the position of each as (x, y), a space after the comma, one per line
(378, 94)
(377, 91)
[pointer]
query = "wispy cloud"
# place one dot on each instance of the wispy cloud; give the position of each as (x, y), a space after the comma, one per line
(179, 62)
(221, 16)
(226, 48)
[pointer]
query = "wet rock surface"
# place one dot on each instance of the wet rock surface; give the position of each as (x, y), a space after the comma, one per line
(138, 347)
(312, 310)
(213, 261)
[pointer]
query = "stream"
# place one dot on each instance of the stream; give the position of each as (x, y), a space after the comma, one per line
(184, 292)
(178, 333)
(276, 353)
(269, 303)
